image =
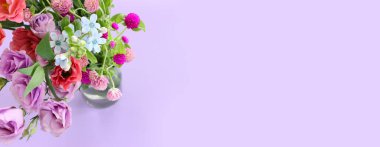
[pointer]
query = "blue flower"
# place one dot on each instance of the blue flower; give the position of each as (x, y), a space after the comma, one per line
(94, 42)
(77, 33)
(90, 25)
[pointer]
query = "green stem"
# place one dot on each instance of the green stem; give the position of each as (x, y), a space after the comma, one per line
(48, 82)
(84, 10)
(104, 62)
(122, 32)
(110, 77)
(75, 14)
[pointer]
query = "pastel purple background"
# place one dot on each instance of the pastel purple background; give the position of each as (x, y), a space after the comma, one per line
(243, 73)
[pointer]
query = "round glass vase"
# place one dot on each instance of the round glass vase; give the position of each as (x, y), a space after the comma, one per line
(98, 99)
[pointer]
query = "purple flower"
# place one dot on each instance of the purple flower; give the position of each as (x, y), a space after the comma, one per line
(132, 21)
(11, 123)
(55, 117)
(69, 93)
(41, 24)
(12, 61)
(120, 59)
(34, 99)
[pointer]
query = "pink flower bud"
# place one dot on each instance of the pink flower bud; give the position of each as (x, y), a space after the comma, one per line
(105, 35)
(114, 94)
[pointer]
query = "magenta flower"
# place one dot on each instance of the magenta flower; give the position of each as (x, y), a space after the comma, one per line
(62, 6)
(99, 83)
(112, 44)
(114, 94)
(11, 123)
(105, 35)
(91, 5)
(125, 39)
(115, 26)
(120, 59)
(132, 21)
(33, 100)
(55, 117)
(12, 61)
(86, 78)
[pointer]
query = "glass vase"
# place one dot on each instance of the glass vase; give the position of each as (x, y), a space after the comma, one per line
(98, 99)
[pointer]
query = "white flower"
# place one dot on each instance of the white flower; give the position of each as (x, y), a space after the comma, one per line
(90, 25)
(94, 42)
(58, 43)
(62, 61)
(77, 33)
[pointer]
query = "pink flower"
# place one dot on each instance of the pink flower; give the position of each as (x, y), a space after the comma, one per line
(132, 21)
(91, 5)
(12, 10)
(55, 117)
(62, 6)
(105, 35)
(130, 55)
(27, 15)
(99, 83)
(120, 59)
(11, 123)
(83, 62)
(114, 94)
(92, 75)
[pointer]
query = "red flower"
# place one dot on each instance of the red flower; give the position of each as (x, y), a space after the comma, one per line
(2, 36)
(25, 40)
(64, 79)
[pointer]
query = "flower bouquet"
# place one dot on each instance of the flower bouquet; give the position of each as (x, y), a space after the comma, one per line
(59, 47)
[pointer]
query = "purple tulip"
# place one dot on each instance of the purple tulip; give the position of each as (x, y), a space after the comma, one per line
(11, 123)
(42, 24)
(33, 100)
(55, 117)
(12, 61)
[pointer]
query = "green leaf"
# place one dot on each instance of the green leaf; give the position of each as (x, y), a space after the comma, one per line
(10, 24)
(141, 27)
(69, 31)
(44, 49)
(91, 57)
(37, 78)
(3, 82)
(118, 18)
(65, 22)
(29, 70)
(77, 25)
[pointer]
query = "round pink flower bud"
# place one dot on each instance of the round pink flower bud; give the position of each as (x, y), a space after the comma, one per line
(120, 59)
(92, 75)
(125, 39)
(115, 26)
(100, 83)
(27, 15)
(62, 6)
(112, 44)
(132, 21)
(114, 94)
(91, 5)
(105, 35)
